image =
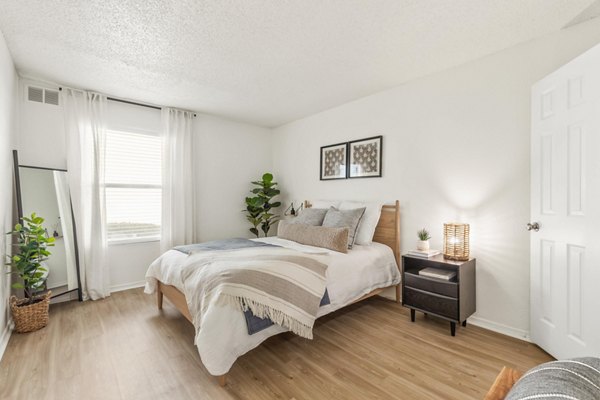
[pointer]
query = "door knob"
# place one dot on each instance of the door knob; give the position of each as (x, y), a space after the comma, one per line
(533, 226)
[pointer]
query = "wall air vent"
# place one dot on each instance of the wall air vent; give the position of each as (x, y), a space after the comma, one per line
(40, 95)
(51, 97)
(35, 94)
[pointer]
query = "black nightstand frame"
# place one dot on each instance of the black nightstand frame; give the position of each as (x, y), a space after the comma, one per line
(453, 301)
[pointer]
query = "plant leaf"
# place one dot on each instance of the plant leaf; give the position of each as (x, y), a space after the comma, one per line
(267, 177)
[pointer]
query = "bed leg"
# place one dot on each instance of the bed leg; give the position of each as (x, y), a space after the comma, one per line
(222, 380)
(398, 297)
(159, 296)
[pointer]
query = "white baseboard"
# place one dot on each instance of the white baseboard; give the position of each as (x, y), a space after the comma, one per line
(500, 328)
(125, 286)
(4, 337)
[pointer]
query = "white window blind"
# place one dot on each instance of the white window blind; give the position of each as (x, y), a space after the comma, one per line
(133, 186)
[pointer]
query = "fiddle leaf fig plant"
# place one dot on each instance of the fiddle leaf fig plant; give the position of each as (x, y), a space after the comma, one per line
(259, 206)
(32, 250)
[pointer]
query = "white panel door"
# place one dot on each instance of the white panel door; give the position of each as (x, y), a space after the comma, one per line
(565, 202)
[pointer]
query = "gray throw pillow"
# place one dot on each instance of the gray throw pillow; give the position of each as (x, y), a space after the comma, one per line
(310, 216)
(344, 219)
(319, 236)
(578, 378)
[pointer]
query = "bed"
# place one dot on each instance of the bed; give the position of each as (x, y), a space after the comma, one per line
(363, 272)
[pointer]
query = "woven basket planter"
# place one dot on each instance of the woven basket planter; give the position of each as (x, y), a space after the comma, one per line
(29, 318)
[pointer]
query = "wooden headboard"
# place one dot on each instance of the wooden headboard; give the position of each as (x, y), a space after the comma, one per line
(388, 228)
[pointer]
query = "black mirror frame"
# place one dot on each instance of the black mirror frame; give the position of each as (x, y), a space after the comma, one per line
(16, 166)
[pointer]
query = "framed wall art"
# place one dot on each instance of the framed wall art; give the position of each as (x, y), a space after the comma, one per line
(334, 163)
(365, 157)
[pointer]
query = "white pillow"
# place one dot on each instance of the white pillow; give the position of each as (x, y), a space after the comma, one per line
(325, 204)
(369, 221)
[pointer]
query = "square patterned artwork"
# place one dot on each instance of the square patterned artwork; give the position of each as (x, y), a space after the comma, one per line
(333, 161)
(365, 157)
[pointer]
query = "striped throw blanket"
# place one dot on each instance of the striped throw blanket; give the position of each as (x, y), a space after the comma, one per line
(283, 285)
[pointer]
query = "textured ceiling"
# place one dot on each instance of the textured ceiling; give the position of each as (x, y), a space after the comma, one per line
(262, 61)
(593, 11)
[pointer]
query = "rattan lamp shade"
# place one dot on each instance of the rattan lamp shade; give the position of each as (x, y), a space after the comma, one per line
(456, 241)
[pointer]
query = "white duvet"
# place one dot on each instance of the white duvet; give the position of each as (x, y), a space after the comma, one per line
(223, 336)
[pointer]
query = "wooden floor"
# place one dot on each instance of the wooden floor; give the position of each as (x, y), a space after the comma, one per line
(124, 348)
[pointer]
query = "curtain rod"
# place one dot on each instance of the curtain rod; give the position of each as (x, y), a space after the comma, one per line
(136, 104)
(132, 103)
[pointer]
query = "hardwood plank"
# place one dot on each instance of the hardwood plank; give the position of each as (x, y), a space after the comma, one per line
(124, 348)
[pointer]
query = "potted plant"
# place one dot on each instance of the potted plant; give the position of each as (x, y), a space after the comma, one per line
(27, 263)
(259, 207)
(423, 242)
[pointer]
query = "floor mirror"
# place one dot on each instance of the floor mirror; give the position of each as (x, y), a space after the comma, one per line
(45, 191)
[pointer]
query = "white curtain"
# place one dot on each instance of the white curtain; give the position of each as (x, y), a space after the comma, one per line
(177, 198)
(86, 136)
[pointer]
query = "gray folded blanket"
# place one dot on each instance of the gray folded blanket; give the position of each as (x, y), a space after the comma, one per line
(225, 244)
(254, 323)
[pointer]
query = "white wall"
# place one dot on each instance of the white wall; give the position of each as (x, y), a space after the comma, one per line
(228, 156)
(41, 137)
(8, 95)
(456, 147)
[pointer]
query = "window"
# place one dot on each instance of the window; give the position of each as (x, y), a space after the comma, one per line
(133, 186)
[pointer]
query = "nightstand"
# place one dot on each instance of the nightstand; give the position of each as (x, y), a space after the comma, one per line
(452, 300)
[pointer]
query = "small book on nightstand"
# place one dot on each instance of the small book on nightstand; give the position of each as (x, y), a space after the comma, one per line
(438, 273)
(424, 253)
